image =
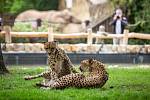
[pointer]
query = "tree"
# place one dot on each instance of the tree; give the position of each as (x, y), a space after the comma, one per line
(2, 65)
(19, 6)
(5, 6)
(3, 68)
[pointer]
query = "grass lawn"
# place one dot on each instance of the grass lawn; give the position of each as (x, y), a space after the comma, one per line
(123, 84)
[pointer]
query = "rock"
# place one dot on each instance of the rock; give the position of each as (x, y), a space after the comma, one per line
(3, 46)
(109, 49)
(91, 49)
(41, 47)
(10, 47)
(78, 48)
(81, 48)
(66, 47)
(28, 47)
(133, 49)
(114, 48)
(142, 49)
(95, 2)
(121, 49)
(84, 48)
(74, 48)
(147, 49)
(18, 47)
(36, 47)
(63, 16)
(72, 28)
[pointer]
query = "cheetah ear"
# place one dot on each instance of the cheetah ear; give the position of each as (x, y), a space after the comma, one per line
(43, 42)
(91, 60)
(56, 42)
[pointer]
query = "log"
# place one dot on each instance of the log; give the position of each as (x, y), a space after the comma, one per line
(45, 34)
(90, 37)
(109, 36)
(77, 35)
(50, 34)
(125, 37)
(7, 34)
(139, 35)
(71, 36)
(29, 34)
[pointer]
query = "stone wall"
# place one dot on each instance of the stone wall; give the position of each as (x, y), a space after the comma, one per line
(77, 48)
(90, 9)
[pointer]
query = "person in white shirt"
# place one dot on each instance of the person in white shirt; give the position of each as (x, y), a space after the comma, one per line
(0, 24)
(119, 22)
(69, 4)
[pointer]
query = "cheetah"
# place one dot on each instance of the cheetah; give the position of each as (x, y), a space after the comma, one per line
(97, 76)
(58, 61)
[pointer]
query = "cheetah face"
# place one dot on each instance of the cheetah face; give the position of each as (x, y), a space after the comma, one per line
(91, 65)
(86, 65)
(50, 46)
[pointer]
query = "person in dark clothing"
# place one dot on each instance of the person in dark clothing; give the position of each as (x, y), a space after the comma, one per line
(0, 24)
(119, 22)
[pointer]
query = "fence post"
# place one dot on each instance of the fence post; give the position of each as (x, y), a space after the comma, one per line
(125, 37)
(7, 30)
(90, 37)
(50, 34)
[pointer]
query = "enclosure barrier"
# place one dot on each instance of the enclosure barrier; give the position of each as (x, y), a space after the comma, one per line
(89, 35)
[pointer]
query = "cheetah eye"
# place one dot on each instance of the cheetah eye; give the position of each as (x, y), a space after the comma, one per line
(46, 48)
(52, 48)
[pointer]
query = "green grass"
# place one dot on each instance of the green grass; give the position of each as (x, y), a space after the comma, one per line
(123, 84)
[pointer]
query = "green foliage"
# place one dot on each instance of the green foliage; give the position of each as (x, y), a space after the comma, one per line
(126, 84)
(17, 6)
(138, 41)
(5, 5)
(137, 12)
(27, 27)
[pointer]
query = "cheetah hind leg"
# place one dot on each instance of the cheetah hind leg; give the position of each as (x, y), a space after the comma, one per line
(46, 85)
(65, 81)
(46, 88)
(42, 83)
(51, 77)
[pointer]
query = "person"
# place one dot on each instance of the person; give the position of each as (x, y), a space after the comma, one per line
(85, 25)
(101, 32)
(69, 4)
(119, 22)
(0, 24)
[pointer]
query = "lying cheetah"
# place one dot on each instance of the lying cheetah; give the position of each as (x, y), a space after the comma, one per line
(96, 77)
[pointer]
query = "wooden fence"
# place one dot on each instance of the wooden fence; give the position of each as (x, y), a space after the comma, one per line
(89, 35)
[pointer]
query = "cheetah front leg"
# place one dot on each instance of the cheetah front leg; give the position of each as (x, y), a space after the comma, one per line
(33, 76)
(46, 75)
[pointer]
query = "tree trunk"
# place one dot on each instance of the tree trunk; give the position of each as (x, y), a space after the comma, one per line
(3, 68)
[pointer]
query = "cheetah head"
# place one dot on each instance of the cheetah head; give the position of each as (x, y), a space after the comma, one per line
(50, 46)
(91, 65)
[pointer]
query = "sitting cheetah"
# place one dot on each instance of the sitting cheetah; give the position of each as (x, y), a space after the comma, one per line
(96, 77)
(58, 62)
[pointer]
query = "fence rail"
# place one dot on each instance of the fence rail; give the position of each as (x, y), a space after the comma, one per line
(89, 35)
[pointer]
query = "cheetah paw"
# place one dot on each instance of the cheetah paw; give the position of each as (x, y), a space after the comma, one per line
(27, 77)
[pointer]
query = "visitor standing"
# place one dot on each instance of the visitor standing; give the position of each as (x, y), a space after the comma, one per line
(119, 22)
